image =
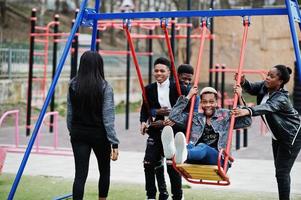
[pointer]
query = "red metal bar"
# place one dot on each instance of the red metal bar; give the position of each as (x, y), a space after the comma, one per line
(196, 79)
(148, 27)
(60, 40)
(37, 79)
(16, 113)
(111, 52)
(172, 59)
(239, 73)
(55, 135)
(54, 150)
(38, 66)
(50, 34)
(41, 40)
(2, 158)
(142, 23)
(142, 36)
(39, 54)
(134, 56)
(114, 52)
(224, 182)
(41, 28)
(245, 71)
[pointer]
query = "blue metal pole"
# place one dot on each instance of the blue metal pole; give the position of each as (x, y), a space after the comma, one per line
(192, 13)
(47, 100)
(294, 35)
(94, 31)
(67, 196)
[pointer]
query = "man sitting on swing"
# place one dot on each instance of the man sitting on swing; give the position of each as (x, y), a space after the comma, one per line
(209, 129)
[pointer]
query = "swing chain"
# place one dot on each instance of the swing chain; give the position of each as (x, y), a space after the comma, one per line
(164, 23)
(246, 20)
(126, 24)
(206, 21)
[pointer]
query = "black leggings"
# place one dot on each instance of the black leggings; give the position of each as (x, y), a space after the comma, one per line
(284, 158)
(82, 150)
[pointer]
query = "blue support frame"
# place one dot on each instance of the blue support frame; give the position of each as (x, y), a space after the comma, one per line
(66, 196)
(294, 16)
(192, 13)
(47, 100)
(291, 10)
(94, 31)
(89, 17)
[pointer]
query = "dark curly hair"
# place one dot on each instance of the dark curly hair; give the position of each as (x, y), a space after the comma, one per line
(163, 61)
(185, 68)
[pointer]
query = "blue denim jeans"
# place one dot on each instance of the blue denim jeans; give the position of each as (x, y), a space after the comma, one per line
(201, 154)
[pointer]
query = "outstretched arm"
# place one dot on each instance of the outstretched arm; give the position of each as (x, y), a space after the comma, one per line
(251, 88)
(177, 113)
(276, 103)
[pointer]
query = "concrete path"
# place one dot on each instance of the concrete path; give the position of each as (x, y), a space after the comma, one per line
(246, 174)
(252, 170)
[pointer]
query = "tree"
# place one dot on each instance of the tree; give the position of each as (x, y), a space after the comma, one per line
(3, 10)
(281, 2)
(225, 4)
(57, 6)
(76, 3)
(257, 4)
(112, 32)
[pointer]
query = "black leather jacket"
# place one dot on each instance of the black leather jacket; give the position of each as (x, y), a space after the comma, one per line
(283, 120)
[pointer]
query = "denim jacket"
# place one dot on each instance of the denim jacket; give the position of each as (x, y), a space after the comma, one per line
(108, 112)
(220, 122)
(282, 118)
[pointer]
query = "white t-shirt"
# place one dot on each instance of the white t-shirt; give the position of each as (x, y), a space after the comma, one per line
(163, 93)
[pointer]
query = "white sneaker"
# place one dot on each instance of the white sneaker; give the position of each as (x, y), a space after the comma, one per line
(181, 150)
(168, 142)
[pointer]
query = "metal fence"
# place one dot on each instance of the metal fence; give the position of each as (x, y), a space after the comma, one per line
(14, 63)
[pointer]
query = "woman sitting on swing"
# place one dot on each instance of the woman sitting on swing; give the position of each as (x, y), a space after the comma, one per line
(209, 130)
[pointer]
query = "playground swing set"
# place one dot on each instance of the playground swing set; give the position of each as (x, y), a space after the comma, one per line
(208, 174)
(195, 173)
(199, 174)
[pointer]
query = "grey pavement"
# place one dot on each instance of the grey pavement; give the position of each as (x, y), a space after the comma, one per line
(252, 170)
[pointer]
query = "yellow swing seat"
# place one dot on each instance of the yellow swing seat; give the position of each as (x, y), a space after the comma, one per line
(204, 174)
(201, 172)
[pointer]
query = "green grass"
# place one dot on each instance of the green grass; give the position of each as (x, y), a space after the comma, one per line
(134, 107)
(43, 187)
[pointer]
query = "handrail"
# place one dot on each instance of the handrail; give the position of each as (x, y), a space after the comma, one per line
(55, 130)
(16, 112)
(79, 17)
